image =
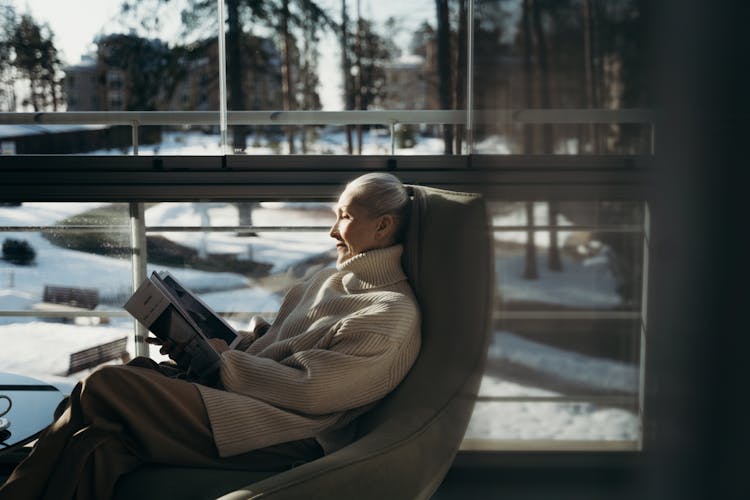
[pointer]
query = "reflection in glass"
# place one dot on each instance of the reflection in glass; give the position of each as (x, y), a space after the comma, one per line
(566, 325)
(562, 421)
(566, 255)
(63, 263)
(556, 57)
(247, 265)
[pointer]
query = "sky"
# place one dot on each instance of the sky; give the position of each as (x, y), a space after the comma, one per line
(75, 24)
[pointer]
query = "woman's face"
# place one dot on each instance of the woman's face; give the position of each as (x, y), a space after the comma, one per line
(355, 230)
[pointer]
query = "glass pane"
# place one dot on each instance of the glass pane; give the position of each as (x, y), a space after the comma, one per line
(595, 264)
(570, 357)
(245, 267)
(598, 390)
(65, 270)
(555, 59)
(551, 421)
(260, 250)
(567, 325)
(121, 56)
(385, 58)
(42, 346)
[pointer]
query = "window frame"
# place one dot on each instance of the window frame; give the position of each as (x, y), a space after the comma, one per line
(139, 179)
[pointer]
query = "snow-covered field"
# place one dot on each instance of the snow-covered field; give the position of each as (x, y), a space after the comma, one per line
(36, 347)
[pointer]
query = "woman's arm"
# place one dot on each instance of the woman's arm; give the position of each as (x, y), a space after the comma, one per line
(256, 329)
(367, 357)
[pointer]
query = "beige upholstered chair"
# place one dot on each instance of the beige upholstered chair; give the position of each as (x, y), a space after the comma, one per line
(407, 443)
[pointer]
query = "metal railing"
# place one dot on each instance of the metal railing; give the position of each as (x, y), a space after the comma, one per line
(388, 118)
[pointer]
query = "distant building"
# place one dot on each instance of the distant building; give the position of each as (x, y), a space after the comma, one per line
(406, 84)
(114, 91)
(261, 77)
(81, 86)
(101, 81)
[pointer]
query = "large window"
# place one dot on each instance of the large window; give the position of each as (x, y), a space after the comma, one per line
(541, 106)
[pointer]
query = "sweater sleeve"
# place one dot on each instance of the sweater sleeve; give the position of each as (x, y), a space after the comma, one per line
(368, 355)
(256, 329)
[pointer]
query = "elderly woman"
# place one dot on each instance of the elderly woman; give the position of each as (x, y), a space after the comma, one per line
(288, 393)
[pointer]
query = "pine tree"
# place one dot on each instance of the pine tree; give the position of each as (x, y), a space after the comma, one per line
(283, 16)
(7, 26)
(35, 57)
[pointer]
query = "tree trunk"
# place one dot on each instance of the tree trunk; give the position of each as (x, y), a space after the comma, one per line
(286, 70)
(346, 74)
(530, 270)
(554, 262)
(444, 67)
(245, 215)
(459, 98)
(358, 79)
(588, 59)
(528, 87)
(236, 95)
(306, 65)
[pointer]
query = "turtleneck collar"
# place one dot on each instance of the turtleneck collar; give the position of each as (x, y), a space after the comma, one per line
(372, 269)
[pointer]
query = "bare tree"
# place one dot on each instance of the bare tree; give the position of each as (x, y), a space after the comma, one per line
(459, 97)
(444, 67)
(234, 71)
(346, 69)
(35, 57)
(7, 27)
(283, 16)
(530, 271)
(554, 261)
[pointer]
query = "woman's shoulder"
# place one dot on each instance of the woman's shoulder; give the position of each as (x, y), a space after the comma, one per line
(397, 296)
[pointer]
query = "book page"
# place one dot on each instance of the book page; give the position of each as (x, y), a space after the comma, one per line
(152, 306)
(208, 322)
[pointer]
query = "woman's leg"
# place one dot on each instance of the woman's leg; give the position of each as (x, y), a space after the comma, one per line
(119, 417)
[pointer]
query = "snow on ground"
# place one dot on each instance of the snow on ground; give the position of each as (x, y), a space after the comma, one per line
(568, 366)
(551, 420)
(42, 348)
(517, 217)
(587, 284)
(34, 347)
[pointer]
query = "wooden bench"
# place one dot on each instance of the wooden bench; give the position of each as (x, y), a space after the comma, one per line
(94, 356)
(69, 300)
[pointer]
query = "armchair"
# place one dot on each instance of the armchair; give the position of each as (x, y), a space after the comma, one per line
(407, 443)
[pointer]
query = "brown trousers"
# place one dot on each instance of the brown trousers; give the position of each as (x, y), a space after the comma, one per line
(120, 417)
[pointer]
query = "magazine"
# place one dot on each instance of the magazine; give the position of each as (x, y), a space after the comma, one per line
(171, 312)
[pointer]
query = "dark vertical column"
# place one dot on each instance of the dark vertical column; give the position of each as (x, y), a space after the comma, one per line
(697, 348)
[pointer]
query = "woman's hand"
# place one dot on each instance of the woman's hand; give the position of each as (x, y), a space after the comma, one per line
(174, 351)
(219, 345)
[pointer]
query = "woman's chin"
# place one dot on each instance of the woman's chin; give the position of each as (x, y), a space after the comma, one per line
(343, 255)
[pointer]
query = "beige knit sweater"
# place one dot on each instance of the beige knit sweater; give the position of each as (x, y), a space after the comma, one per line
(340, 342)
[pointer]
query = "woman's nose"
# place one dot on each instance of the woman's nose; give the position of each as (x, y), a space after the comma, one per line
(334, 230)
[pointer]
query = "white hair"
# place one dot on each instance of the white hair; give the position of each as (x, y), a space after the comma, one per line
(382, 194)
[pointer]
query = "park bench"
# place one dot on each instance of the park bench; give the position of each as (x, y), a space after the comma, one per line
(70, 300)
(84, 298)
(94, 356)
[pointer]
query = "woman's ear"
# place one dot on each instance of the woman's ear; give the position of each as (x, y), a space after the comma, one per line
(385, 228)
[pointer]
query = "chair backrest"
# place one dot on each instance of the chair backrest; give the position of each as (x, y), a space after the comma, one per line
(407, 443)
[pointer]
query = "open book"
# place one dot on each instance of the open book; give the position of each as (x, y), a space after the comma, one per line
(172, 312)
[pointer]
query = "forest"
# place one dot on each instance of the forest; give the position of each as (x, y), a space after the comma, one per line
(527, 54)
